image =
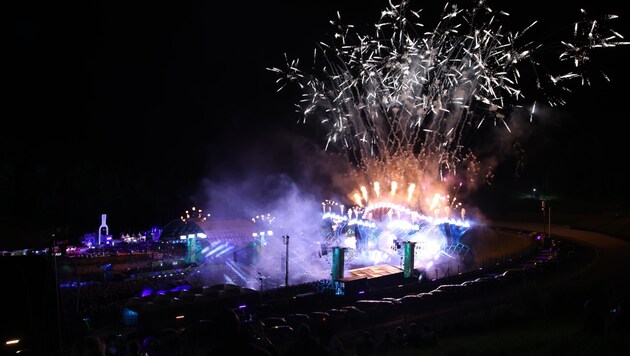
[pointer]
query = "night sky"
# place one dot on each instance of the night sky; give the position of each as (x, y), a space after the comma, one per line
(134, 108)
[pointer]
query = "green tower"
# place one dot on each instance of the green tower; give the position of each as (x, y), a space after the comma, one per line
(338, 262)
(408, 261)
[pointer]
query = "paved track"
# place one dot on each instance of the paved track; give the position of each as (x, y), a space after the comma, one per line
(611, 266)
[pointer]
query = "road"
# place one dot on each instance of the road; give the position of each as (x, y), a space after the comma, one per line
(610, 266)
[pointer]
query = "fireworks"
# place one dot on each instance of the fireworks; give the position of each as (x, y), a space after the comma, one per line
(405, 103)
(195, 215)
(407, 106)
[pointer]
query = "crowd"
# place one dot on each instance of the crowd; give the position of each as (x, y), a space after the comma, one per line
(228, 334)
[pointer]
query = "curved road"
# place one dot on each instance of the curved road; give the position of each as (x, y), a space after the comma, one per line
(611, 267)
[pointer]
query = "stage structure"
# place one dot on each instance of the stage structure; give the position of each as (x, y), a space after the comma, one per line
(391, 234)
(203, 241)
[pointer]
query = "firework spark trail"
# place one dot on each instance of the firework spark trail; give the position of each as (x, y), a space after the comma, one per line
(401, 103)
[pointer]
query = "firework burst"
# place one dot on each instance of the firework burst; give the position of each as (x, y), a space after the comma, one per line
(404, 103)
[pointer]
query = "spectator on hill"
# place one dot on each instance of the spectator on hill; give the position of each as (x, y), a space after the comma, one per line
(331, 341)
(305, 343)
(365, 344)
(386, 345)
(229, 338)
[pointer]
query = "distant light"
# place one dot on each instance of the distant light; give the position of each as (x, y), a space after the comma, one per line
(12, 342)
(361, 292)
(242, 306)
(270, 233)
(180, 317)
(182, 237)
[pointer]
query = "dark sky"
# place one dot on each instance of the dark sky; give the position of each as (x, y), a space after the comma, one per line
(125, 107)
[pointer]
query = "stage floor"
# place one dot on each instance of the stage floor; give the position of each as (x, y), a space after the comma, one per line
(358, 281)
(371, 272)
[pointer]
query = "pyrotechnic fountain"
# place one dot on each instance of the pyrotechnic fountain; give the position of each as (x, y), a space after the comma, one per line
(408, 107)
